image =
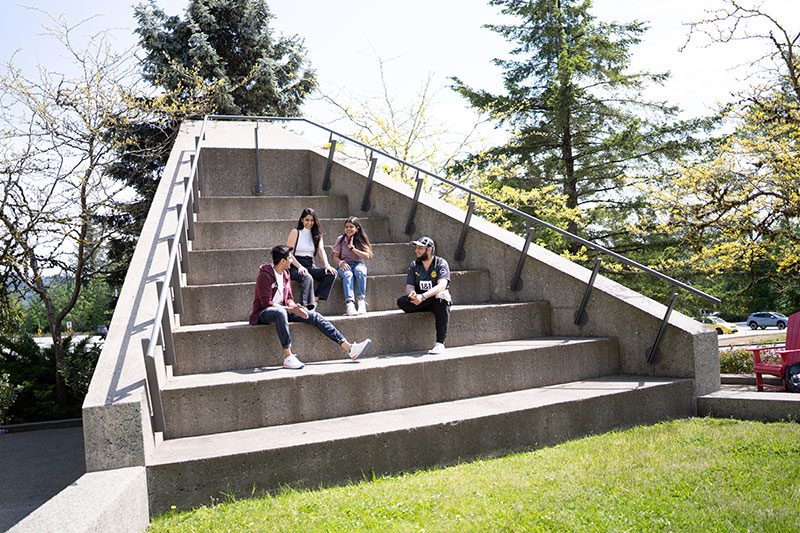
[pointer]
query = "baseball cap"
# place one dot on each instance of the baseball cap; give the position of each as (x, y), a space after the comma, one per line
(424, 241)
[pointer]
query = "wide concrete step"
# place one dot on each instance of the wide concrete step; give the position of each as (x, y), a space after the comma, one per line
(192, 471)
(271, 207)
(233, 234)
(237, 266)
(743, 402)
(240, 346)
(232, 302)
(201, 404)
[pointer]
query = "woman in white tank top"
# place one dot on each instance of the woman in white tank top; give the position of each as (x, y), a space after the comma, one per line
(306, 239)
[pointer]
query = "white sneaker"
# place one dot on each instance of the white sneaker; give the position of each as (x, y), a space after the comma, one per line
(293, 362)
(362, 307)
(359, 348)
(350, 309)
(437, 348)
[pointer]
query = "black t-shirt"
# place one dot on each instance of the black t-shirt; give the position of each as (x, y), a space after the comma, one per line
(424, 280)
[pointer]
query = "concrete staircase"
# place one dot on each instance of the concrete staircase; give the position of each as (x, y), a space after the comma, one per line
(236, 421)
(518, 372)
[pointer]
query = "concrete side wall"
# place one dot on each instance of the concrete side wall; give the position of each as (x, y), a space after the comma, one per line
(116, 414)
(114, 500)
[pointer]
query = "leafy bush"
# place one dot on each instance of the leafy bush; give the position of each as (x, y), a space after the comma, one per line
(32, 371)
(736, 362)
(79, 364)
(8, 394)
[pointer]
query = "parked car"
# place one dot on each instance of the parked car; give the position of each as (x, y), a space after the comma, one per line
(716, 323)
(767, 319)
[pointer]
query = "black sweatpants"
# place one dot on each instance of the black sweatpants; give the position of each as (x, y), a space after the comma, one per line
(440, 309)
(324, 281)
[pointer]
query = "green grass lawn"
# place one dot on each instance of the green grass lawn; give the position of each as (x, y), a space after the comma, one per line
(685, 475)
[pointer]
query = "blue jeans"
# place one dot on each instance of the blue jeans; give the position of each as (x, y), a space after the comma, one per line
(281, 318)
(357, 274)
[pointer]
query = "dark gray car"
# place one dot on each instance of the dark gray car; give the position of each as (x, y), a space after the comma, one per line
(766, 319)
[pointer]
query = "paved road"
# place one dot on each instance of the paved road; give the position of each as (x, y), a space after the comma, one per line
(34, 467)
(746, 336)
(46, 341)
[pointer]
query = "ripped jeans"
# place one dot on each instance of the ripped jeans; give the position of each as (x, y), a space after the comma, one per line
(356, 275)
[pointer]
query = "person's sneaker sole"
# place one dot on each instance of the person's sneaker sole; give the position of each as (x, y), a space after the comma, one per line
(367, 344)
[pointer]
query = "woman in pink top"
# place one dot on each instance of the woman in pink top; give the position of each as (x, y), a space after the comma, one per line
(349, 253)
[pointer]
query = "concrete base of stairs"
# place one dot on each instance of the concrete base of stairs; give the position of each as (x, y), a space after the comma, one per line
(198, 470)
(744, 402)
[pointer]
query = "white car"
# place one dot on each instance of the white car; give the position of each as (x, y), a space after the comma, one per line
(767, 319)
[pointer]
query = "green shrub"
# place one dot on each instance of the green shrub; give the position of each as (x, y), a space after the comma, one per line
(79, 362)
(32, 371)
(736, 362)
(8, 394)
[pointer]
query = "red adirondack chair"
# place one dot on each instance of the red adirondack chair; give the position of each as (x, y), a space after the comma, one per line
(790, 353)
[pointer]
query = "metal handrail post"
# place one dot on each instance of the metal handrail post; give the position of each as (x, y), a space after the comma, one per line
(654, 354)
(516, 281)
(183, 239)
(257, 189)
(192, 210)
(166, 339)
(581, 316)
(411, 228)
(177, 298)
(153, 389)
(366, 204)
(326, 180)
(461, 253)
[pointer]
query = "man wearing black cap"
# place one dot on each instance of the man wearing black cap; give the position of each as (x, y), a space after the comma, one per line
(427, 285)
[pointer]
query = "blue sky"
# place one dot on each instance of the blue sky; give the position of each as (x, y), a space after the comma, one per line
(420, 37)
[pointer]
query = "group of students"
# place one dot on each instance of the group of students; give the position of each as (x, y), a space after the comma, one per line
(427, 284)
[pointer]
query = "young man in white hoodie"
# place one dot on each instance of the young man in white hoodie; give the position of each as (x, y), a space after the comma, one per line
(273, 304)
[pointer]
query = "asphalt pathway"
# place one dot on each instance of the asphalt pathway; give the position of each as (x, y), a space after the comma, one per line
(34, 467)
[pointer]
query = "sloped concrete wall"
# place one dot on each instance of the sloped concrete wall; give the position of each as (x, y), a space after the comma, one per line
(116, 413)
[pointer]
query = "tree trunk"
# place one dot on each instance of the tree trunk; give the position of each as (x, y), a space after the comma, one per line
(570, 182)
(58, 350)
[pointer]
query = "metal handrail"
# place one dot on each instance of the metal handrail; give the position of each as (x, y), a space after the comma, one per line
(154, 389)
(467, 190)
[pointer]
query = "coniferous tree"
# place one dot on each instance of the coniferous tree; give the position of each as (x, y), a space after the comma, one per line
(576, 114)
(223, 49)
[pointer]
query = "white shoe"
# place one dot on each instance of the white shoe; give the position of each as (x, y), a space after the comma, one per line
(437, 348)
(359, 348)
(293, 362)
(350, 309)
(362, 307)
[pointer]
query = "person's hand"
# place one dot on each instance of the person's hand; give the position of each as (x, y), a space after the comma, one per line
(299, 310)
(415, 298)
(330, 270)
(302, 270)
(343, 265)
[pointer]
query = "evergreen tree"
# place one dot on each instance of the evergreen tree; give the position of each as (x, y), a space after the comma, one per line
(223, 49)
(576, 115)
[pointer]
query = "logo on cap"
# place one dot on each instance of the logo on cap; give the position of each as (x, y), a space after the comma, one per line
(424, 241)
